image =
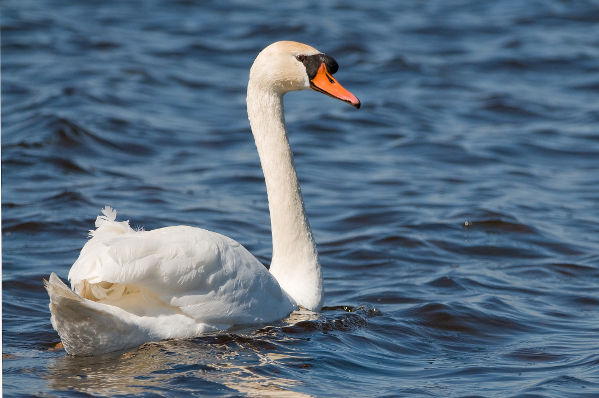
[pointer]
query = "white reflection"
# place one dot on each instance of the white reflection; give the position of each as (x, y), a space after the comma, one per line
(260, 363)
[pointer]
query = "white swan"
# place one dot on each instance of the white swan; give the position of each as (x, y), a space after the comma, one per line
(130, 287)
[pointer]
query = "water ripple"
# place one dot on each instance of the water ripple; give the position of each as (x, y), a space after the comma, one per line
(455, 213)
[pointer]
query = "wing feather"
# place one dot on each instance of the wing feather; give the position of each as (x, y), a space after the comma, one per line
(206, 276)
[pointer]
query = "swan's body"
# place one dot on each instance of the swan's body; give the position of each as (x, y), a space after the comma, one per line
(130, 286)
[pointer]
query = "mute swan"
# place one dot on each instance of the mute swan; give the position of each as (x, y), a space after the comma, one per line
(130, 287)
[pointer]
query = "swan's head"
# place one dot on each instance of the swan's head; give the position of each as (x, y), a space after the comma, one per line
(289, 66)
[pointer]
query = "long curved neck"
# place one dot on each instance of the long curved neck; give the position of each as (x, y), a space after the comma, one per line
(294, 258)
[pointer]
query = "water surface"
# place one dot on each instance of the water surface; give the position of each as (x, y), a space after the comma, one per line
(456, 213)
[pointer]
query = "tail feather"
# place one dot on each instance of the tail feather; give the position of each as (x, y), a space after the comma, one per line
(87, 327)
(57, 289)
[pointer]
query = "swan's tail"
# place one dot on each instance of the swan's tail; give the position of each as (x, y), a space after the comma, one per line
(87, 327)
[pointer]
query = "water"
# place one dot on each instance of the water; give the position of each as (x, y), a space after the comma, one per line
(456, 213)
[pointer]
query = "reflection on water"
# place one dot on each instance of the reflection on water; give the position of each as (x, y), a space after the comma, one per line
(244, 363)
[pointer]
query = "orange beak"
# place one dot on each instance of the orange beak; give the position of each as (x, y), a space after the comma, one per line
(326, 84)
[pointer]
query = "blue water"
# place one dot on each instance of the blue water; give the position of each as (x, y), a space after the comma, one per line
(456, 213)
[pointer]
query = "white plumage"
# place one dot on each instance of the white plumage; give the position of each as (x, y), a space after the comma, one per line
(130, 287)
(174, 282)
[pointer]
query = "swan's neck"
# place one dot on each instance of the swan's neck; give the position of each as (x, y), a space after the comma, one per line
(294, 258)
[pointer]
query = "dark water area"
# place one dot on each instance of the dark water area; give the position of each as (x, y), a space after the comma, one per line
(456, 213)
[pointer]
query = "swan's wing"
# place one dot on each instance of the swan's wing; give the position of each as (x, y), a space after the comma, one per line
(202, 274)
